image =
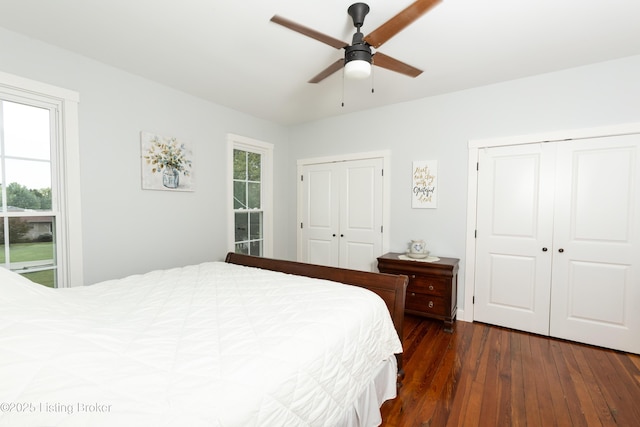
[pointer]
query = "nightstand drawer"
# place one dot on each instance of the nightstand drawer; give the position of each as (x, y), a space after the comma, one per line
(433, 286)
(424, 303)
(429, 285)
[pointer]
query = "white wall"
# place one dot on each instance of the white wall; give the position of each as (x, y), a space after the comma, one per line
(439, 128)
(126, 229)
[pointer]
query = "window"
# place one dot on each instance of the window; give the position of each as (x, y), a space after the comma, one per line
(38, 142)
(251, 178)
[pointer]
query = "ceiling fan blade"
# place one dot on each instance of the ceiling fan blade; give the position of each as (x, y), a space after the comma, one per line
(328, 71)
(399, 22)
(309, 32)
(384, 61)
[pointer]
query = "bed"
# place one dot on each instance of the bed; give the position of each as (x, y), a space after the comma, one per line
(245, 342)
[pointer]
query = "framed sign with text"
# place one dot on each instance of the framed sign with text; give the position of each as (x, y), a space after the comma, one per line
(425, 184)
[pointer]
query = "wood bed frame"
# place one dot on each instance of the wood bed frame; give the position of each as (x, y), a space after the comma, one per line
(391, 288)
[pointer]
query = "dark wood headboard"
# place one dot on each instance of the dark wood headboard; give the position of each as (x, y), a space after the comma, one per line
(391, 288)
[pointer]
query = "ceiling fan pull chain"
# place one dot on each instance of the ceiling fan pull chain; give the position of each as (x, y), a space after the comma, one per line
(373, 83)
(343, 87)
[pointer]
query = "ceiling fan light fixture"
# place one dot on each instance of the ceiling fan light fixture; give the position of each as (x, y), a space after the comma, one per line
(357, 69)
(357, 61)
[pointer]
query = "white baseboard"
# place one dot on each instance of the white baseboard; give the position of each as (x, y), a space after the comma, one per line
(461, 317)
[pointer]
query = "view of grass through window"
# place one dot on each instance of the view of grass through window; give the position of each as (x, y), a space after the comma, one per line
(27, 220)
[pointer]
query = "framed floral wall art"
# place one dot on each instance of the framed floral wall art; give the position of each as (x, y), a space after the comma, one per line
(425, 184)
(167, 163)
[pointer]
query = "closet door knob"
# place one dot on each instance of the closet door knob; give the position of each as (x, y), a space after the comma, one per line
(560, 250)
(544, 249)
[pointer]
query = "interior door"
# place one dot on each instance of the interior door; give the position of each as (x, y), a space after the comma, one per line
(341, 211)
(320, 214)
(596, 283)
(514, 236)
(361, 214)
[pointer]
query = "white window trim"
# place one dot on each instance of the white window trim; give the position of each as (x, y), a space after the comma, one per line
(265, 149)
(67, 165)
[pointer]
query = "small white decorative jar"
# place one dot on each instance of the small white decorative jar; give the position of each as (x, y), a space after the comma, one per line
(417, 249)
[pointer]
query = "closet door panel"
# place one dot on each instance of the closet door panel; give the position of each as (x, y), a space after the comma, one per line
(361, 214)
(514, 236)
(320, 242)
(341, 213)
(596, 285)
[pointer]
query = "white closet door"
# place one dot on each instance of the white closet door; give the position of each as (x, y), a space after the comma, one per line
(342, 213)
(320, 214)
(596, 283)
(361, 214)
(514, 236)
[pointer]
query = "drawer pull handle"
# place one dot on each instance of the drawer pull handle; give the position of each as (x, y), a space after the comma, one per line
(430, 287)
(413, 276)
(430, 304)
(413, 294)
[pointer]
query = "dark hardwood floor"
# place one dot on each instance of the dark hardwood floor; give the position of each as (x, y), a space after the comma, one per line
(483, 375)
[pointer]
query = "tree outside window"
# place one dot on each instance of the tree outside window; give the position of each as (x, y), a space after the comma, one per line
(27, 230)
(251, 182)
(247, 202)
(40, 233)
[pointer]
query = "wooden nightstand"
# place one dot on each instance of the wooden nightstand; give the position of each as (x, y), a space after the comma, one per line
(433, 286)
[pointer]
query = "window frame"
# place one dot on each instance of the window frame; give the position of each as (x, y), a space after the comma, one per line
(265, 149)
(65, 168)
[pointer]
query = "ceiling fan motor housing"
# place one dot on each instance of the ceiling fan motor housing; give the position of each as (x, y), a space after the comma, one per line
(357, 52)
(359, 49)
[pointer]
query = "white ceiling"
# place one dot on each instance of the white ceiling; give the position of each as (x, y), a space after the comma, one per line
(230, 53)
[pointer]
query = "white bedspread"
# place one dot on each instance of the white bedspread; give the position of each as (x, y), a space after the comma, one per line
(208, 345)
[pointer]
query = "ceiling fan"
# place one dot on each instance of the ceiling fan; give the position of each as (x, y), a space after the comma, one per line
(358, 58)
